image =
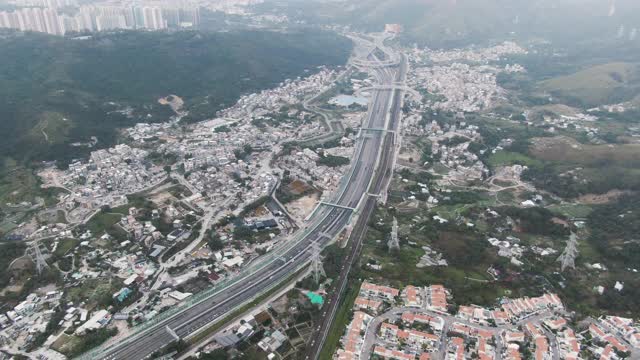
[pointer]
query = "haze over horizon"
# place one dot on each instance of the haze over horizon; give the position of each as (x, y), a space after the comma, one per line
(319, 179)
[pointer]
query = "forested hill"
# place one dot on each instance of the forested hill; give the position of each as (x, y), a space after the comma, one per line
(67, 87)
(459, 23)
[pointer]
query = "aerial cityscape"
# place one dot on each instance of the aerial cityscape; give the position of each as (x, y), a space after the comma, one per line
(48, 17)
(321, 179)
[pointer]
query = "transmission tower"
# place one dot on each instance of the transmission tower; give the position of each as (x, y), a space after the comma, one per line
(37, 257)
(568, 257)
(394, 243)
(316, 263)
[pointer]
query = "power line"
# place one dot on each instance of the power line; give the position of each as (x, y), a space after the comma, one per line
(316, 263)
(37, 257)
(394, 242)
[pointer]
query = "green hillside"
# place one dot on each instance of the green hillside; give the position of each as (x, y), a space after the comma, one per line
(453, 23)
(55, 90)
(601, 84)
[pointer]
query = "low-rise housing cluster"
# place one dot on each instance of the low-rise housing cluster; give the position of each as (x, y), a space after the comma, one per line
(414, 324)
(462, 80)
(483, 55)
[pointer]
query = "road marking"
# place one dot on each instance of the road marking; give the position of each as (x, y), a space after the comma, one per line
(337, 205)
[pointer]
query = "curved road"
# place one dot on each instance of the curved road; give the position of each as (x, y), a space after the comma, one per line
(291, 256)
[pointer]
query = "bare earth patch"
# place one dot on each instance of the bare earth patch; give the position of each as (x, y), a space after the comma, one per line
(304, 206)
(596, 199)
(162, 198)
(298, 187)
(174, 101)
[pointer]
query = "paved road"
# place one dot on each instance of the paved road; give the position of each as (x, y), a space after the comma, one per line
(334, 128)
(395, 314)
(283, 261)
(382, 178)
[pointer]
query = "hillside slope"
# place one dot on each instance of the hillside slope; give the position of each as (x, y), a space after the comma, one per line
(601, 84)
(453, 23)
(55, 91)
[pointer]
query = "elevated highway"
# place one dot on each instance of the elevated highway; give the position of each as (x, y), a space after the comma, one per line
(369, 162)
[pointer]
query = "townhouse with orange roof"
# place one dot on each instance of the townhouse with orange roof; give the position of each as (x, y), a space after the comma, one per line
(611, 335)
(483, 347)
(411, 296)
(512, 352)
(455, 349)
(436, 298)
(470, 331)
(392, 353)
(513, 336)
(540, 341)
(500, 317)
(474, 313)
(393, 333)
(601, 335)
(435, 322)
(512, 341)
(555, 324)
(616, 343)
(542, 349)
(372, 297)
(365, 304)
(623, 327)
(568, 344)
(353, 339)
(511, 310)
(596, 331)
(523, 307)
(485, 350)
(607, 353)
(373, 291)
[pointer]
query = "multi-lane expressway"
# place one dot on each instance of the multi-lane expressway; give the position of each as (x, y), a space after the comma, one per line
(376, 188)
(370, 161)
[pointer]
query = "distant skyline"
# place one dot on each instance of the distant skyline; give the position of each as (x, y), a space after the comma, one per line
(58, 17)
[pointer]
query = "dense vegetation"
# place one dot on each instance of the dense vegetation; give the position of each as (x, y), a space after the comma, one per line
(614, 231)
(332, 161)
(612, 241)
(535, 220)
(9, 252)
(72, 89)
(600, 180)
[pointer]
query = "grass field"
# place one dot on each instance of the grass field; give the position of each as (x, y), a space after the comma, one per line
(95, 292)
(104, 222)
(504, 158)
(596, 169)
(572, 210)
(594, 85)
(74, 345)
(565, 150)
(65, 342)
(17, 183)
(52, 128)
(66, 245)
